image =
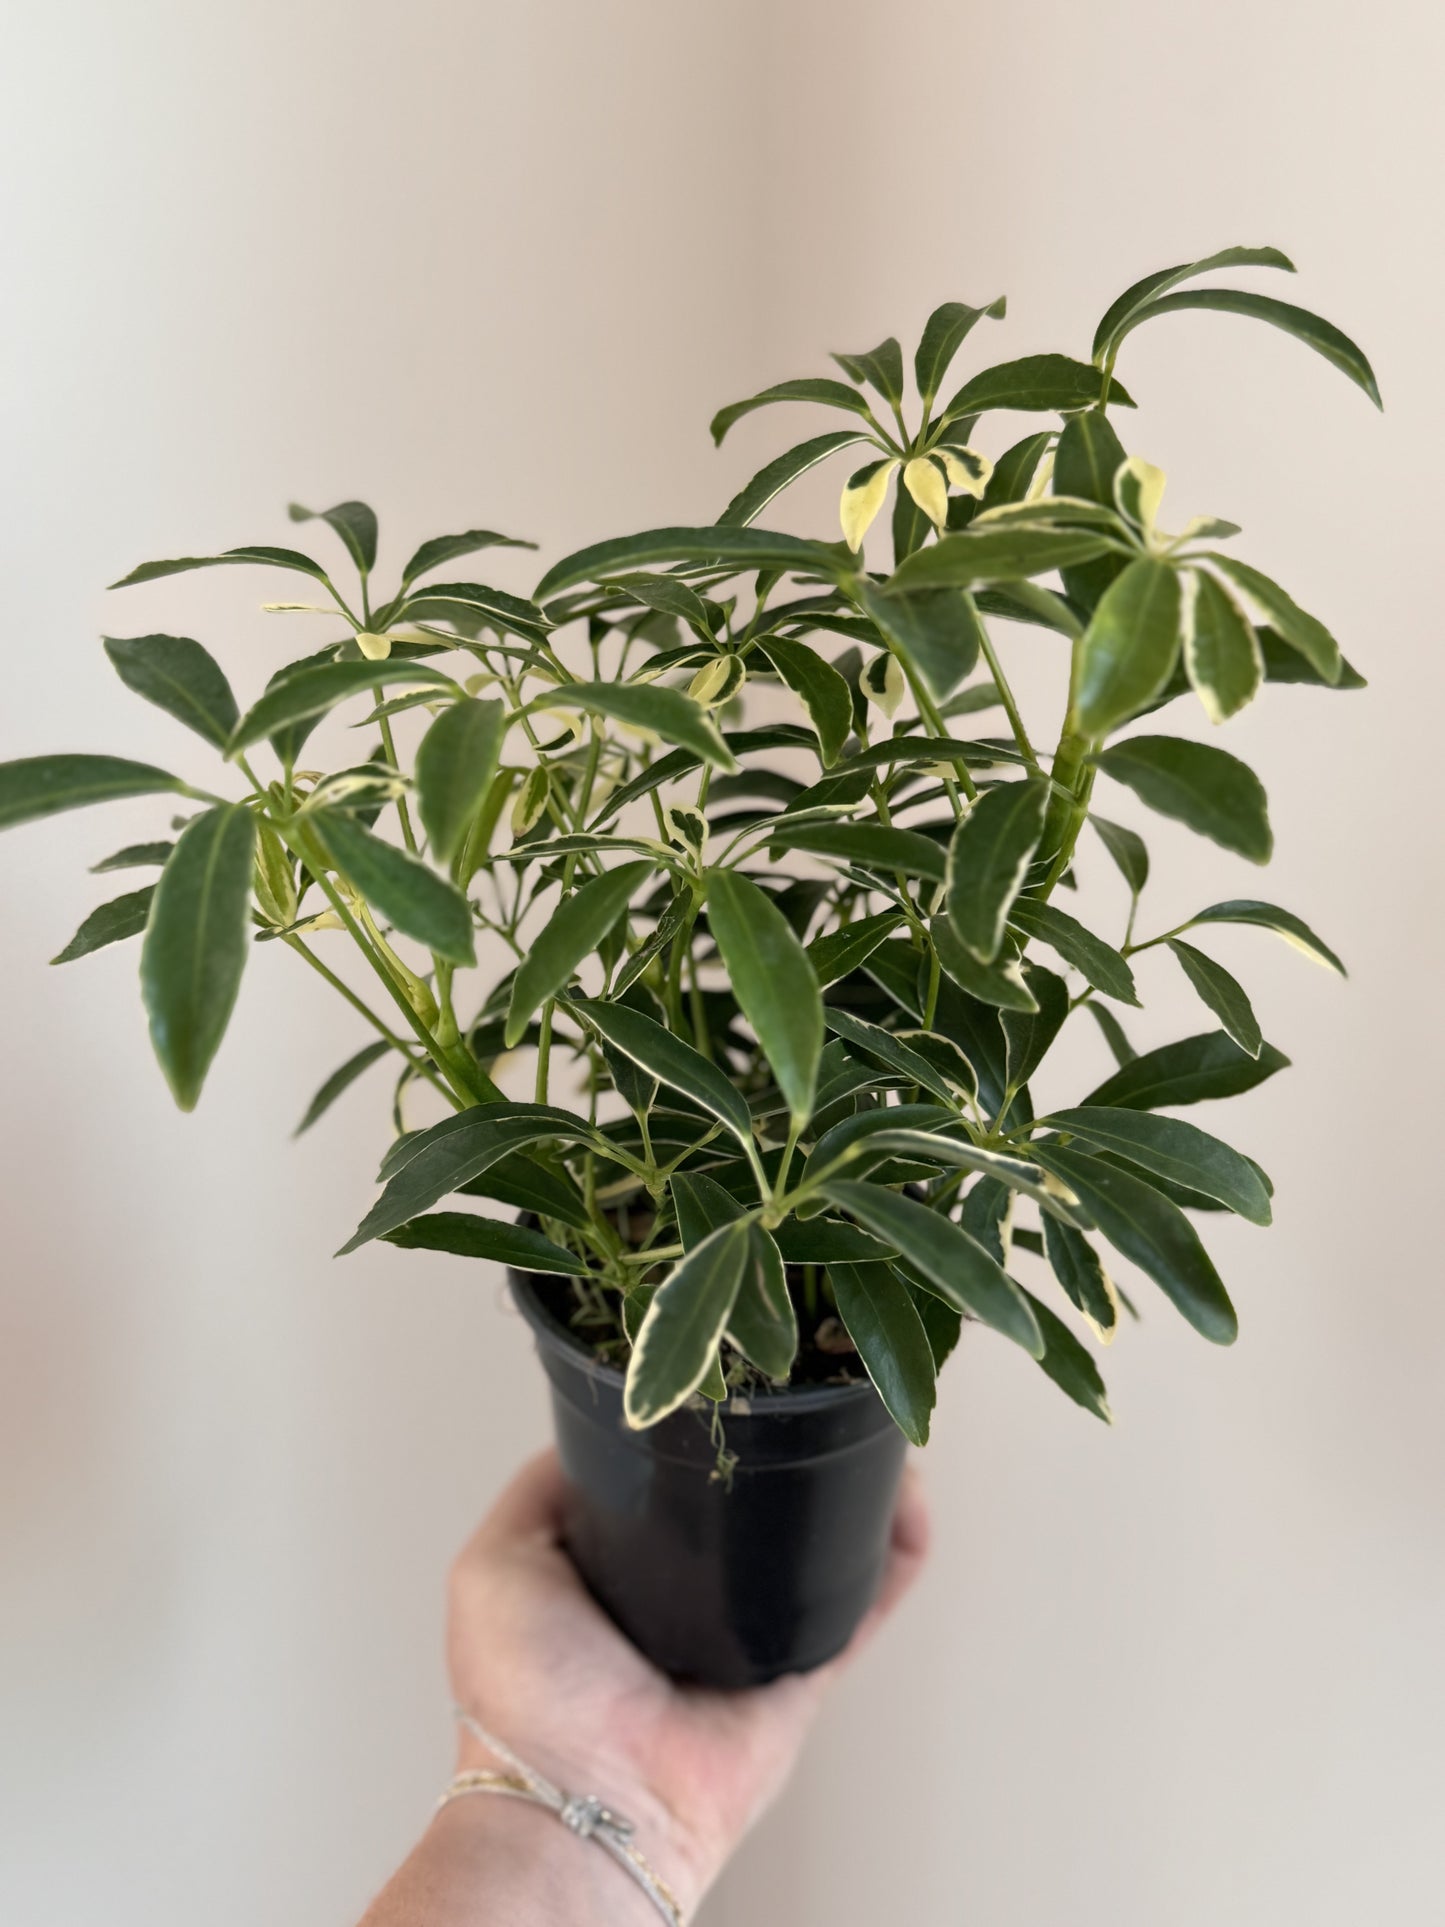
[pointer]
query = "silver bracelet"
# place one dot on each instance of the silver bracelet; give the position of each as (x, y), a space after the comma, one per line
(581, 1813)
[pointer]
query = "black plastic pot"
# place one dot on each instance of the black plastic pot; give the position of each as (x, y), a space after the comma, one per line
(726, 1582)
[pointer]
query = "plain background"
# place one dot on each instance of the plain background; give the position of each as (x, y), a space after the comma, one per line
(487, 264)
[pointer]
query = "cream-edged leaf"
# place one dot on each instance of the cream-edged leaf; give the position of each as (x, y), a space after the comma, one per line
(926, 482)
(863, 496)
(1221, 651)
(883, 683)
(1139, 492)
(966, 469)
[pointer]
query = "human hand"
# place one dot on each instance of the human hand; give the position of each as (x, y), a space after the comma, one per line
(535, 1659)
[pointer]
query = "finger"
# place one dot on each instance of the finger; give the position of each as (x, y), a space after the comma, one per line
(529, 1507)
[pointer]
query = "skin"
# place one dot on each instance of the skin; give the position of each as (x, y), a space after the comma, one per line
(537, 1662)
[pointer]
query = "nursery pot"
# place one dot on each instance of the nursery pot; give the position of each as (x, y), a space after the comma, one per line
(726, 1581)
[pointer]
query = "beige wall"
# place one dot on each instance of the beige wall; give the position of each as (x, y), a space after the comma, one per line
(499, 264)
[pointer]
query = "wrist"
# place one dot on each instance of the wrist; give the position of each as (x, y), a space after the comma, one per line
(673, 1850)
(520, 1864)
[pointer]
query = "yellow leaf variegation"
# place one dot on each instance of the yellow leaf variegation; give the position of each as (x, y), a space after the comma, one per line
(926, 482)
(1138, 491)
(967, 469)
(530, 803)
(718, 681)
(374, 647)
(1038, 488)
(864, 494)
(882, 682)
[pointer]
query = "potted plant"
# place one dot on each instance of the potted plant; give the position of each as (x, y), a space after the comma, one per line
(777, 985)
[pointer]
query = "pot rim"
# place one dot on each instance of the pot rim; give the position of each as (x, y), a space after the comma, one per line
(774, 1398)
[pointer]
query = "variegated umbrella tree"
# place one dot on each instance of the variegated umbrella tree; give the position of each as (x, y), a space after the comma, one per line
(775, 985)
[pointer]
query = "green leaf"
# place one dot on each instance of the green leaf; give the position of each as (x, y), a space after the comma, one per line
(428, 1166)
(885, 1048)
(455, 764)
(954, 1265)
(111, 923)
(1130, 646)
(995, 554)
(1000, 983)
(1312, 329)
(774, 983)
(574, 931)
(518, 1180)
(1189, 1072)
(1080, 1270)
(268, 557)
(466, 1235)
(874, 845)
(319, 687)
(943, 336)
(1098, 962)
(179, 676)
(340, 1080)
(936, 631)
(1162, 280)
(827, 1241)
(1029, 1035)
(762, 1325)
(1221, 651)
(825, 695)
(407, 894)
(685, 1322)
(446, 548)
(135, 856)
(1089, 456)
(665, 712)
(1068, 1363)
(671, 1061)
(1269, 916)
(842, 951)
(1110, 329)
(1284, 664)
(833, 394)
(988, 862)
(748, 548)
(1207, 788)
(354, 522)
(1173, 1149)
(772, 480)
(195, 945)
(36, 786)
(1124, 1052)
(1052, 383)
(882, 367)
(1014, 471)
(941, 1322)
(669, 596)
(474, 604)
(1152, 1232)
(1127, 849)
(1304, 633)
(1222, 994)
(881, 1320)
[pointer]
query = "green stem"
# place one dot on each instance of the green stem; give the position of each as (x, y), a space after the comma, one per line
(1011, 708)
(544, 1051)
(419, 1064)
(466, 1077)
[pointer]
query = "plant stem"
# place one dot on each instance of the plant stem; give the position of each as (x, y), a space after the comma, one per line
(1011, 708)
(420, 1065)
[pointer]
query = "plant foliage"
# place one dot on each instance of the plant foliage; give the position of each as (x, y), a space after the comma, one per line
(779, 986)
